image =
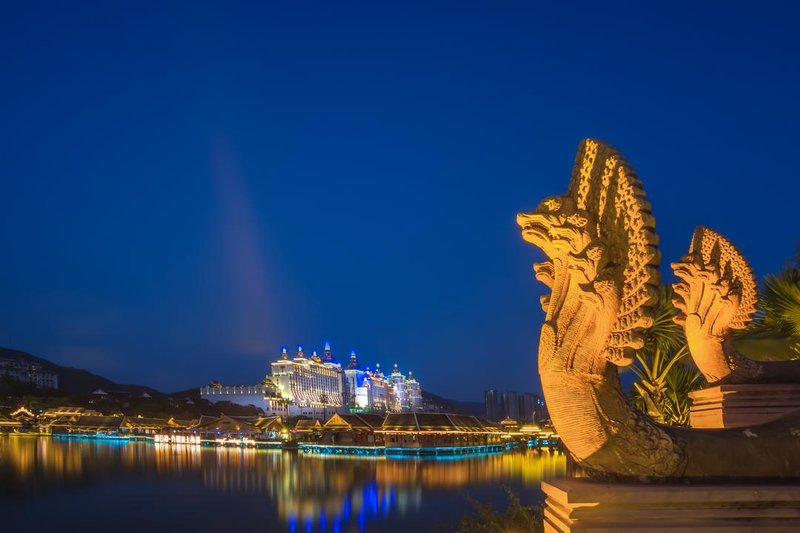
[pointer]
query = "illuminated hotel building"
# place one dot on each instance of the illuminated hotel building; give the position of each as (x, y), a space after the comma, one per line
(398, 382)
(318, 387)
(299, 386)
(373, 392)
(414, 393)
(312, 386)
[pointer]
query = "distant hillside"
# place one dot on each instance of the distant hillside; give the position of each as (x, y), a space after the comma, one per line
(76, 380)
(454, 406)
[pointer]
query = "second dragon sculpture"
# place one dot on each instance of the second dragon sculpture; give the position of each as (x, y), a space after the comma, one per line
(602, 270)
(716, 295)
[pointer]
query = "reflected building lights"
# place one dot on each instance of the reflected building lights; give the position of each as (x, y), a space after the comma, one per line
(334, 493)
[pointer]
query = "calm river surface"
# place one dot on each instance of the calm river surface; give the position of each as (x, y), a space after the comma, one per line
(142, 486)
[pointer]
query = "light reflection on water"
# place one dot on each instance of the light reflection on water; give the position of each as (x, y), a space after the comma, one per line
(302, 492)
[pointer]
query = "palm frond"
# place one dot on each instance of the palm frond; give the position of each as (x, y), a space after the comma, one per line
(774, 332)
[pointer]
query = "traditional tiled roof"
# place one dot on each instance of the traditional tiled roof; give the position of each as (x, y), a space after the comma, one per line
(203, 420)
(59, 421)
(55, 412)
(145, 423)
(7, 421)
(269, 422)
(307, 425)
(435, 423)
(179, 423)
(97, 422)
(22, 412)
(354, 421)
(226, 423)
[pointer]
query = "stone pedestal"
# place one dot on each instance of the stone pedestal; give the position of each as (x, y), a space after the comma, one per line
(730, 406)
(575, 505)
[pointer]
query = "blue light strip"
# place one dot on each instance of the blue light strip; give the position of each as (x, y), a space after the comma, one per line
(446, 450)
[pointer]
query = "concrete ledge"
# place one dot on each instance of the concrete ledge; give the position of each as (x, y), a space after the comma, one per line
(730, 406)
(575, 505)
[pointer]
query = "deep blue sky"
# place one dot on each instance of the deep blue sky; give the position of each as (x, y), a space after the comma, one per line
(187, 188)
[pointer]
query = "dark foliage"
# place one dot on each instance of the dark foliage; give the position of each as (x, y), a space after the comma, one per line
(516, 518)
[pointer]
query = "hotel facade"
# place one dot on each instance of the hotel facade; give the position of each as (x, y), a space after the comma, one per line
(370, 391)
(312, 386)
(317, 387)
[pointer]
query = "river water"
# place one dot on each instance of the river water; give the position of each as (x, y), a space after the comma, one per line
(74, 485)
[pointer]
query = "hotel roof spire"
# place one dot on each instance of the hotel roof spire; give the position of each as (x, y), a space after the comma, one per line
(353, 360)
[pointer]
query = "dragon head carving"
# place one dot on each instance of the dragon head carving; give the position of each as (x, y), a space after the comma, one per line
(716, 284)
(716, 294)
(602, 263)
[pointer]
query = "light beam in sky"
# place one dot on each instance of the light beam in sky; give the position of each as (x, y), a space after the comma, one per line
(252, 324)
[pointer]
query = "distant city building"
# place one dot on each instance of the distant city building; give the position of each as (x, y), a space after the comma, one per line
(318, 387)
(510, 405)
(429, 405)
(490, 401)
(520, 407)
(28, 372)
(526, 408)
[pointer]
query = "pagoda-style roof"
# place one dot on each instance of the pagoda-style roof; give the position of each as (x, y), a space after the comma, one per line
(138, 422)
(179, 423)
(96, 422)
(354, 421)
(55, 412)
(203, 420)
(226, 423)
(7, 421)
(21, 413)
(307, 425)
(270, 423)
(435, 423)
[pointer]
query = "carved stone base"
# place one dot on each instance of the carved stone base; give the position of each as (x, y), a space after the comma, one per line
(575, 505)
(730, 406)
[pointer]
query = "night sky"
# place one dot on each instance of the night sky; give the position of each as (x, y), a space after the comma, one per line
(185, 189)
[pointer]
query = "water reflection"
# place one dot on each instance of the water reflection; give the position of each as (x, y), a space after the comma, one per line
(304, 492)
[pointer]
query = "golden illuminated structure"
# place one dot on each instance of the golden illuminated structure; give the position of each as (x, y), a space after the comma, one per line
(356, 429)
(602, 269)
(717, 294)
(438, 434)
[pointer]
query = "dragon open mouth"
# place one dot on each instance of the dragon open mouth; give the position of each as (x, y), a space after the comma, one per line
(533, 227)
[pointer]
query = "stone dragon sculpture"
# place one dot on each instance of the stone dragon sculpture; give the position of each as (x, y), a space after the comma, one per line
(716, 295)
(602, 271)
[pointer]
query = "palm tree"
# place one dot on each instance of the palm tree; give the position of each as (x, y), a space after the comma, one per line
(680, 381)
(775, 330)
(666, 374)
